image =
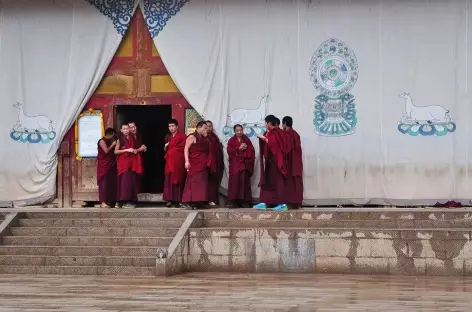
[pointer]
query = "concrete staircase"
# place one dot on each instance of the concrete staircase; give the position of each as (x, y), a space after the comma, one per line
(106, 242)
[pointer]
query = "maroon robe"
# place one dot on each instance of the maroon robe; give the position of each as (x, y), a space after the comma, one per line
(294, 162)
(138, 142)
(216, 167)
(241, 168)
(196, 184)
(128, 167)
(273, 169)
(175, 168)
(106, 173)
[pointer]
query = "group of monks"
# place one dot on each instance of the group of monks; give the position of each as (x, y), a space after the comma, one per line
(195, 165)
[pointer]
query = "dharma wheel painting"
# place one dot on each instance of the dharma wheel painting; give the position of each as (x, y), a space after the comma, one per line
(333, 72)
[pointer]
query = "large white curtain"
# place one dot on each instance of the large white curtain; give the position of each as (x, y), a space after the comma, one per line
(378, 89)
(53, 55)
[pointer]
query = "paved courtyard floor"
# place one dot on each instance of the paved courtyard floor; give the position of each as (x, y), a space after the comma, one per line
(235, 292)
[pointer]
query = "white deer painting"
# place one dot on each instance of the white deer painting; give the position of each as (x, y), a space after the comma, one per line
(249, 116)
(32, 123)
(433, 114)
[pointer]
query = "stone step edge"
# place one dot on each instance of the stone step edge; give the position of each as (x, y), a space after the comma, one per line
(94, 226)
(89, 237)
(80, 257)
(28, 270)
(330, 228)
(95, 219)
(82, 247)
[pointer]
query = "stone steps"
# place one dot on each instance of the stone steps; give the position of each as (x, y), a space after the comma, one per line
(79, 270)
(94, 231)
(100, 242)
(86, 241)
(80, 250)
(37, 260)
(110, 213)
(100, 222)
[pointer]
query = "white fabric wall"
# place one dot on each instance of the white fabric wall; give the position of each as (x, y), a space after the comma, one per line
(53, 54)
(225, 55)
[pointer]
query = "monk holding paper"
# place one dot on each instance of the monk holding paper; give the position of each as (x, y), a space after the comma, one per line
(241, 157)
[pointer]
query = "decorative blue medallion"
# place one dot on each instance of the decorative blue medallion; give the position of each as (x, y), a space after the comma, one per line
(119, 12)
(433, 120)
(158, 12)
(333, 72)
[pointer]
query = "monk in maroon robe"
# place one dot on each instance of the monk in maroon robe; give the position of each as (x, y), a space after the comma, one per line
(106, 169)
(216, 165)
(241, 157)
(128, 166)
(140, 148)
(175, 165)
(273, 167)
(294, 161)
(197, 161)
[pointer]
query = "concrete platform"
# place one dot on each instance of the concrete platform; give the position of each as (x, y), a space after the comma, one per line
(161, 241)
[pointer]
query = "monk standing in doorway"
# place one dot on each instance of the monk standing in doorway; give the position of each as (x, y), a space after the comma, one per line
(241, 167)
(140, 148)
(106, 169)
(294, 160)
(197, 156)
(216, 165)
(128, 167)
(175, 165)
(273, 167)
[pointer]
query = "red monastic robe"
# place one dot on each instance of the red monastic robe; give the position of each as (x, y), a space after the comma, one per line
(273, 169)
(138, 142)
(196, 183)
(216, 165)
(175, 168)
(106, 173)
(294, 163)
(241, 168)
(128, 167)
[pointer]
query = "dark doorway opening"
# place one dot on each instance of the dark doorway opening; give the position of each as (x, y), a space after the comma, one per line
(151, 121)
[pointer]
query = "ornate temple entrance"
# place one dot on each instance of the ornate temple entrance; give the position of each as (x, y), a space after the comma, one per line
(136, 77)
(151, 121)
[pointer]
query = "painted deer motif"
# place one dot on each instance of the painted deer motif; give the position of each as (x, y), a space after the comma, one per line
(32, 123)
(421, 114)
(248, 116)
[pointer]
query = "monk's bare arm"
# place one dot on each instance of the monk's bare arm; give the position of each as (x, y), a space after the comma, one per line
(190, 140)
(104, 146)
(118, 151)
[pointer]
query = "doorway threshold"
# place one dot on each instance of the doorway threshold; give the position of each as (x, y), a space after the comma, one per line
(149, 197)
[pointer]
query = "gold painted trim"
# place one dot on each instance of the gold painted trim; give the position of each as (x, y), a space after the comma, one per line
(89, 112)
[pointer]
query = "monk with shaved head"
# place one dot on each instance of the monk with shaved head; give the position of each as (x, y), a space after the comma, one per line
(197, 161)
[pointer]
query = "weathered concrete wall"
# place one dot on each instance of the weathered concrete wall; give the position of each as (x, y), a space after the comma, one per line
(250, 243)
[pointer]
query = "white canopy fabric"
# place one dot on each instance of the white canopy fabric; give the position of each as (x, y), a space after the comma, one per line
(378, 89)
(53, 55)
